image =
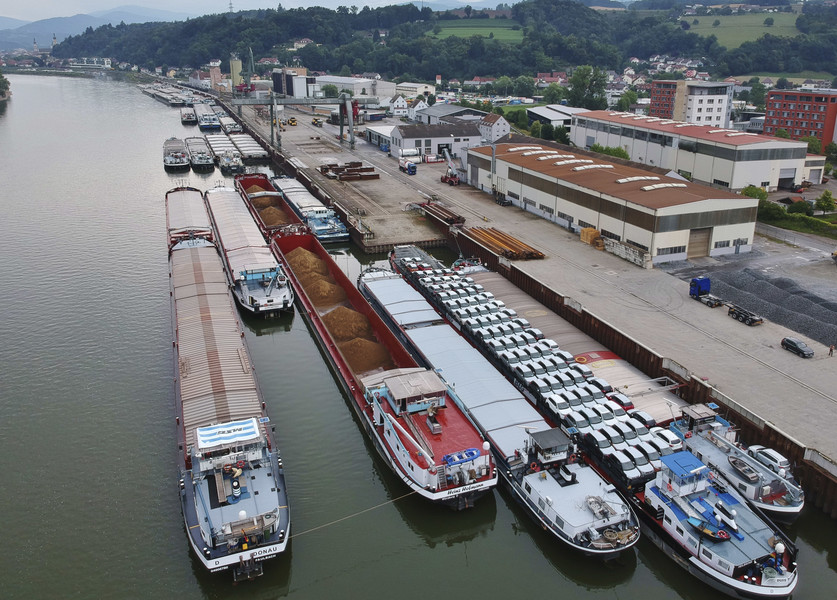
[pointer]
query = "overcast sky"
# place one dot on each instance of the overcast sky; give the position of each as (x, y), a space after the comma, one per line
(34, 10)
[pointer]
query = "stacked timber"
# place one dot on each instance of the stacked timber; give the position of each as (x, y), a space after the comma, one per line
(592, 236)
(503, 244)
(351, 171)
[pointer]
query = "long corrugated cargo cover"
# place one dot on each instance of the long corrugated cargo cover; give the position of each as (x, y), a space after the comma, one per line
(406, 306)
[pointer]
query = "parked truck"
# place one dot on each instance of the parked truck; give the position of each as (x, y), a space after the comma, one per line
(407, 165)
(699, 289)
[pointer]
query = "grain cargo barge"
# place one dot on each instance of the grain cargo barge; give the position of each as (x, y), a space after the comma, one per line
(268, 207)
(406, 410)
(231, 478)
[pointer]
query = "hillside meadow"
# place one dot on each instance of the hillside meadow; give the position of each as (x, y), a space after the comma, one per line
(501, 28)
(734, 30)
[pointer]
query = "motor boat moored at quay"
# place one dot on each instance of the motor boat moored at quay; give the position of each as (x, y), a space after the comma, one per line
(258, 281)
(715, 441)
(321, 220)
(231, 478)
(175, 155)
(406, 410)
(538, 461)
(200, 156)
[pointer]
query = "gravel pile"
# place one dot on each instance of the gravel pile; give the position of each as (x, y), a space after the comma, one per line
(780, 300)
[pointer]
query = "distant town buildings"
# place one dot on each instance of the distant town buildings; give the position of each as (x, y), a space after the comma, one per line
(802, 113)
(701, 102)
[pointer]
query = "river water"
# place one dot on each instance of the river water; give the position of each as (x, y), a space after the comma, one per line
(89, 486)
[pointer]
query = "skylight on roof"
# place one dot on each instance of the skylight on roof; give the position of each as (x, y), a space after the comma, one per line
(585, 167)
(659, 186)
(551, 156)
(638, 178)
(519, 148)
(739, 133)
(531, 152)
(571, 162)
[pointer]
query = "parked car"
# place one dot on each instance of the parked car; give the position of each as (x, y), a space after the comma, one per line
(668, 436)
(798, 347)
(621, 399)
(769, 458)
(642, 417)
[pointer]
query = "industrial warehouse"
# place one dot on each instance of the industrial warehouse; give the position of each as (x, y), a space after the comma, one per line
(643, 217)
(724, 158)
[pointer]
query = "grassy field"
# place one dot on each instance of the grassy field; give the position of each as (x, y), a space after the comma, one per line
(798, 78)
(501, 28)
(734, 30)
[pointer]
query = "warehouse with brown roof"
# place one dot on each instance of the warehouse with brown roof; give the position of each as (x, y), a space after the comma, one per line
(644, 216)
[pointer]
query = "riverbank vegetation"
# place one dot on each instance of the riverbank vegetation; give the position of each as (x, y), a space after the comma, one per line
(409, 42)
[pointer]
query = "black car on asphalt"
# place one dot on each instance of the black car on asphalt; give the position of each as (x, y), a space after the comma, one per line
(797, 347)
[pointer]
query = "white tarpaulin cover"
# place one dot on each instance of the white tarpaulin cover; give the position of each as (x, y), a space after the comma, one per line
(225, 434)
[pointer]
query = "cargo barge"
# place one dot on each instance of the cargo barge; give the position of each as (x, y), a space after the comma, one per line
(683, 506)
(268, 207)
(537, 461)
(231, 478)
(321, 220)
(407, 411)
(256, 278)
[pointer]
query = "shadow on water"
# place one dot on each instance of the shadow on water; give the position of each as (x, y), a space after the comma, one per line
(275, 583)
(586, 572)
(260, 326)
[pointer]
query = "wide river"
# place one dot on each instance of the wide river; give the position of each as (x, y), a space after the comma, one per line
(89, 496)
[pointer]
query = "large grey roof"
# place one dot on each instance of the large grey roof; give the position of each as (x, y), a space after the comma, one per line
(440, 130)
(445, 110)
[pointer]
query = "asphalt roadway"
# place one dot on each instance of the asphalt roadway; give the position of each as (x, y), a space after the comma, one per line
(797, 396)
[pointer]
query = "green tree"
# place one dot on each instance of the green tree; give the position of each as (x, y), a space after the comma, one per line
(782, 133)
(468, 10)
(503, 85)
(770, 211)
(814, 144)
(522, 119)
(768, 22)
(535, 129)
(345, 71)
(562, 135)
(752, 191)
(801, 208)
(431, 100)
(716, 23)
(616, 151)
(547, 131)
(553, 93)
(524, 86)
(626, 100)
(587, 88)
(831, 151)
(825, 203)
(758, 95)
(329, 90)
(783, 84)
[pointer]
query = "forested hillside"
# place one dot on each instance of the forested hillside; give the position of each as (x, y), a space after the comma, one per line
(393, 41)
